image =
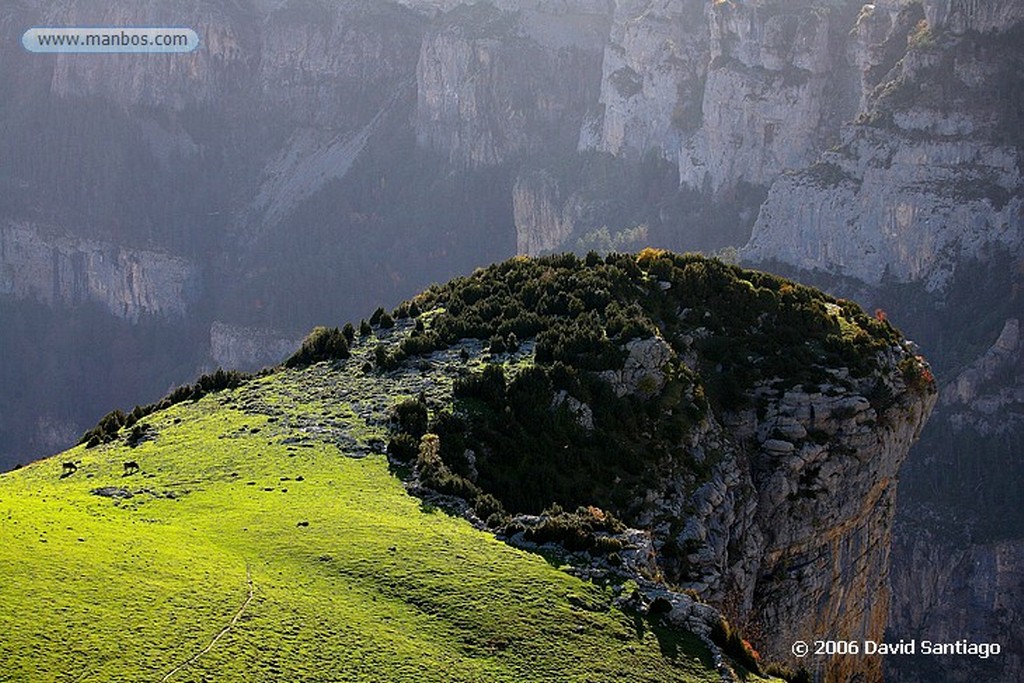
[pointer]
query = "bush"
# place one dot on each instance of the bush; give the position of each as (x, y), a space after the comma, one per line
(410, 416)
(487, 506)
(321, 344)
(497, 345)
(488, 386)
(403, 447)
(383, 359)
(735, 646)
(585, 529)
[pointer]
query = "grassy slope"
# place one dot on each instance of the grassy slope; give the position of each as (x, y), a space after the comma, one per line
(376, 588)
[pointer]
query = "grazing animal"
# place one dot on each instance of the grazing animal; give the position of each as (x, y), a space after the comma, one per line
(131, 467)
(68, 468)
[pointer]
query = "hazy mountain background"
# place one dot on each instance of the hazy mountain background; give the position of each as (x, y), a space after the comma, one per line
(165, 214)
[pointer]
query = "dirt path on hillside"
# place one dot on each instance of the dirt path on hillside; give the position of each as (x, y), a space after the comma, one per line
(220, 634)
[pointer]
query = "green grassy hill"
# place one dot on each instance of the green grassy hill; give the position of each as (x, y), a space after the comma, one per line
(209, 572)
(375, 588)
(266, 537)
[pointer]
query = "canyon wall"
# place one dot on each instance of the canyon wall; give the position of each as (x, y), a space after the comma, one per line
(312, 161)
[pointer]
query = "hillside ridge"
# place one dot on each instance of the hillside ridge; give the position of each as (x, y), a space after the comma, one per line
(667, 418)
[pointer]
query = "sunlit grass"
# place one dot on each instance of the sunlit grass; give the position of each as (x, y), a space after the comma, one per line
(371, 586)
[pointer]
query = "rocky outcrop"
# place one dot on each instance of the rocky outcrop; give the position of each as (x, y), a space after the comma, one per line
(791, 533)
(642, 373)
(58, 269)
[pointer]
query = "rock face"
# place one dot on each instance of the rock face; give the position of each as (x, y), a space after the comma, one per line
(950, 591)
(730, 92)
(792, 533)
(924, 179)
(248, 348)
(544, 219)
(999, 362)
(960, 16)
(642, 373)
(492, 84)
(59, 269)
(924, 189)
(776, 90)
(652, 77)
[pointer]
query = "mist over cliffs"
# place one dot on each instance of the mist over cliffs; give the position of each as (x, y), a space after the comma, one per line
(165, 214)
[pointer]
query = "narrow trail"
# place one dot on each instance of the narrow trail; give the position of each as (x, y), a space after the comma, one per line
(234, 620)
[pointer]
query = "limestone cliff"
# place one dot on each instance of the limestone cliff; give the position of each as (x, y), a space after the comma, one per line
(960, 16)
(777, 89)
(730, 91)
(951, 588)
(792, 534)
(493, 83)
(928, 176)
(922, 194)
(544, 218)
(652, 77)
(58, 269)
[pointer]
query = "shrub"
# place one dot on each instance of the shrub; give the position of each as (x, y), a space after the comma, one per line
(410, 416)
(320, 345)
(497, 345)
(488, 386)
(403, 447)
(383, 359)
(349, 333)
(735, 646)
(364, 328)
(585, 529)
(487, 507)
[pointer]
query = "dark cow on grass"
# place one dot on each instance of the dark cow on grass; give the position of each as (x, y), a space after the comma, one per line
(131, 467)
